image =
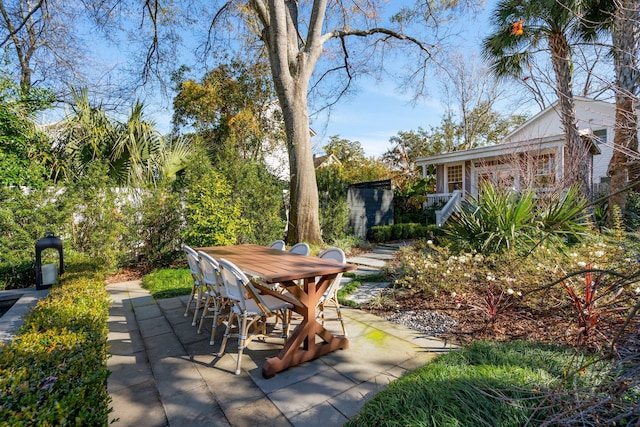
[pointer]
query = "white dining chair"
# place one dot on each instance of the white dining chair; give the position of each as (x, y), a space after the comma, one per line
(300, 248)
(278, 244)
(216, 294)
(330, 296)
(196, 297)
(249, 309)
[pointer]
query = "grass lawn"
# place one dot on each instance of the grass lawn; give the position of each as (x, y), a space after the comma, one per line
(168, 282)
(491, 384)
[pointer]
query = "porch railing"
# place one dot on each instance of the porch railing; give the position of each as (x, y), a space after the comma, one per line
(437, 200)
(449, 208)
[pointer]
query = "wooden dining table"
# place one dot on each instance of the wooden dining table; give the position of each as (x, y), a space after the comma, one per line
(306, 278)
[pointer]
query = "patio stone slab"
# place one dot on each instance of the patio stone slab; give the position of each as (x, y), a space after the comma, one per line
(127, 371)
(137, 406)
(148, 312)
(154, 326)
(260, 412)
(175, 376)
(350, 402)
(310, 392)
(194, 409)
(163, 346)
(370, 262)
(380, 255)
(325, 413)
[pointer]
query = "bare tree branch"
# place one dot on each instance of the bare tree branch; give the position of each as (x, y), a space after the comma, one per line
(389, 33)
(13, 32)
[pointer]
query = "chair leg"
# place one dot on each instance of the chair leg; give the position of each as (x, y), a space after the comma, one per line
(321, 310)
(286, 322)
(242, 341)
(214, 328)
(205, 309)
(214, 324)
(193, 292)
(198, 305)
(227, 333)
(344, 329)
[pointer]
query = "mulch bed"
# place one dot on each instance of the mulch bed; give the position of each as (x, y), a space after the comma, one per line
(472, 324)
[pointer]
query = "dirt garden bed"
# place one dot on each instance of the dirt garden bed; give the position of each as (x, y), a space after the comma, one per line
(462, 323)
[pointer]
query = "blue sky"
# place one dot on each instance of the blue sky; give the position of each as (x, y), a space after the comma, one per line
(379, 111)
(374, 114)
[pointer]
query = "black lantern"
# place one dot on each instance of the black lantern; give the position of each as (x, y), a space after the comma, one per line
(49, 276)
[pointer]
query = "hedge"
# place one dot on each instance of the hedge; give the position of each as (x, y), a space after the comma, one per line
(55, 372)
(386, 233)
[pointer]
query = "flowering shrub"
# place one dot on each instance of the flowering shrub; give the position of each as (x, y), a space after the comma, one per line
(433, 270)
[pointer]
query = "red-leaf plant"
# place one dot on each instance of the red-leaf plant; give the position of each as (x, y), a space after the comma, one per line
(493, 305)
(588, 312)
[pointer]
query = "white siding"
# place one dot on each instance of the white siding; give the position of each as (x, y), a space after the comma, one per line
(592, 115)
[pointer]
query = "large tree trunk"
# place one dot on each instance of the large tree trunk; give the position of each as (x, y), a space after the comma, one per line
(576, 165)
(625, 43)
(304, 222)
(291, 68)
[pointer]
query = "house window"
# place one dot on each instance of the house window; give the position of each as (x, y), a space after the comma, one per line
(454, 178)
(601, 136)
(505, 178)
(545, 171)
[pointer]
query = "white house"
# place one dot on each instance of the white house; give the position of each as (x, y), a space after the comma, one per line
(532, 156)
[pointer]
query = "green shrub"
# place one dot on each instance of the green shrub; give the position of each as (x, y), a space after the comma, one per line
(54, 372)
(212, 217)
(98, 224)
(632, 214)
(334, 212)
(260, 196)
(154, 223)
(386, 233)
(24, 150)
(17, 269)
(432, 270)
(334, 219)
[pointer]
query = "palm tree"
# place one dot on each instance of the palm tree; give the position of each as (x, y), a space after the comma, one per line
(621, 20)
(134, 151)
(85, 137)
(521, 29)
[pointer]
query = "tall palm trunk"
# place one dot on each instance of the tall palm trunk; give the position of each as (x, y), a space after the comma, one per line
(626, 46)
(576, 166)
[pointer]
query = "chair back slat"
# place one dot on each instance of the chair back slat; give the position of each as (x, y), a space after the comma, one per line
(278, 244)
(242, 289)
(300, 248)
(210, 269)
(335, 254)
(194, 262)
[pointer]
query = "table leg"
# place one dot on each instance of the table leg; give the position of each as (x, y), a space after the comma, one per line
(301, 345)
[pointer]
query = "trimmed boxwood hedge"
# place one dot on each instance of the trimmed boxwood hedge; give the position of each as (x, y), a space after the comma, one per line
(386, 233)
(55, 372)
